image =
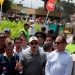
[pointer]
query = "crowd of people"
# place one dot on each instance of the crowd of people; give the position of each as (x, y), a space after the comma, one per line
(35, 53)
(15, 17)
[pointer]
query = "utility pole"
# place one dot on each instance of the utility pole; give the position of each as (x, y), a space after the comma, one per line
(31, 3)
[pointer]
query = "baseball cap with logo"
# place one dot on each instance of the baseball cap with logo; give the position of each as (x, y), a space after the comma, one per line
(33, 38)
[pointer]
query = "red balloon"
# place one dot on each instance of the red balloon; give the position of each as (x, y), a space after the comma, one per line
(50, 5)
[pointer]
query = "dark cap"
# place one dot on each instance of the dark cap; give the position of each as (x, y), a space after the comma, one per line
(2, 34)
(7, 30)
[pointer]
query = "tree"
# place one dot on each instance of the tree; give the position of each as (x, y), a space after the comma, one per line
(7, 5)
(66, 8)
(14, 6)
(41, 8)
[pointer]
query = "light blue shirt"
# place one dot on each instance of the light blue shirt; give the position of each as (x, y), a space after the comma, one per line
(47, 54)
(59, 63)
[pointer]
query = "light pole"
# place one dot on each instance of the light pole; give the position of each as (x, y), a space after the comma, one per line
(31, 3)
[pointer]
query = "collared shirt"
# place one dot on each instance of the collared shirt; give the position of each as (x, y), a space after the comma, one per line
(19, 54)
(24, 48)
(59, 63)
(47, 54)
(6, 66)
(33, 63)
(40, 48)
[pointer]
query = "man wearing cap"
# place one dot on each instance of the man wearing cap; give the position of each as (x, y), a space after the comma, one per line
(32, 28)
(32, 59)
(2, 42)
(7, 33)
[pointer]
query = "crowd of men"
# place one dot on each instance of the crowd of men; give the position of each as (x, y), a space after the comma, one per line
(35, 53)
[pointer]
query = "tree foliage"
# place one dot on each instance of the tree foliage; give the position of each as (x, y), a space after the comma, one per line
(66, 8)
(14, 6)
(41, 8)
(7, 5)
(15, 27)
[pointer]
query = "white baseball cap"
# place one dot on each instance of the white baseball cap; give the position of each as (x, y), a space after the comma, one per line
(33, 38)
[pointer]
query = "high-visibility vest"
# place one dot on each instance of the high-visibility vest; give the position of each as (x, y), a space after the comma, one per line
(26, 33)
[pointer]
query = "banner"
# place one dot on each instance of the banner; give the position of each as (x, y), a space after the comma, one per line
(53, 27)
(61, 30)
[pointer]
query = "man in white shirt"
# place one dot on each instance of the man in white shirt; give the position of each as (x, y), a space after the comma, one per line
(17, 48)
(32, 28)
(59, 61)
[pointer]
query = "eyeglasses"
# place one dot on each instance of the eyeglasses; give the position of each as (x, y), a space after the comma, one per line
(57, 42)
(32, 43)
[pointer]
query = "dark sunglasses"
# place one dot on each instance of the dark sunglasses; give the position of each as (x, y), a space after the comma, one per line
(32, 43)
(57, 42)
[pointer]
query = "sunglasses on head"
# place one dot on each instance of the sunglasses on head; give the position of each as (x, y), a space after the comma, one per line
(32, 43)
(57, 42)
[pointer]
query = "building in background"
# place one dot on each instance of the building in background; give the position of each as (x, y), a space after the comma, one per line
(34, 13)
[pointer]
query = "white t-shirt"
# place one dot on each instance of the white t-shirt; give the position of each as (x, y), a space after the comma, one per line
(32, 29)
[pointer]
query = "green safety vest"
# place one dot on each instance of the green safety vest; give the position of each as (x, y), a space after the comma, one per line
(70, 48)
(26, 33)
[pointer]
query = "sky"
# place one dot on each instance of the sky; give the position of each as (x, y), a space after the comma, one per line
(31, 3)
(34, 3)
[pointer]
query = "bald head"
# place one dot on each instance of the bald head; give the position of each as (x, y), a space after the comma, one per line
(61, 38)
(60, 42)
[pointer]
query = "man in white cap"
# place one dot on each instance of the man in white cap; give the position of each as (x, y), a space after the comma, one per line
(32, 28)
(32, 59)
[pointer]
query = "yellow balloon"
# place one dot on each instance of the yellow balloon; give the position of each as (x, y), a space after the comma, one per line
(1, 2)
